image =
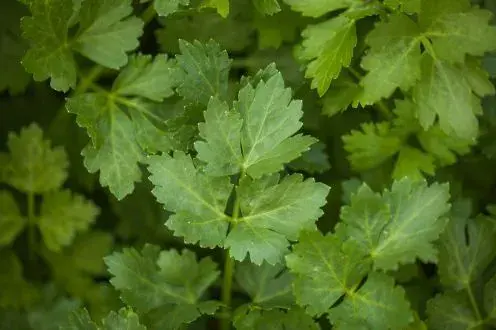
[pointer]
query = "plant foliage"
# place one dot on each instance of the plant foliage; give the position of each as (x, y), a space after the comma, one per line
(247, 164)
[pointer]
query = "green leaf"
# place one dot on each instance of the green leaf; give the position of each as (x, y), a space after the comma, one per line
(126, 122)
(106, 33)
(62, 216)
(125, 319)
(79, 320)
(14, 78)
(412, 163)
(221, 131)
(371, 147)
(454, 35)
(451, 311)
(266, 205)
(53, 311)
(340, 95)
(267, 7)
(490, 299)
(323, 272)
(312, 161)
(253, 319)
(443, 91)
(258, 142)
(465, 248)
(167, 7)
(222, 6)
(329, 46)
(378, 304)
(15, 291)
(318, 8)
(270, 118)
(75, 268)
(203, 71)
(198, 201)
(393, 60)
(269, 286)
(399, 226)
(11, 220)
(153, 279)
(407, 6)
(33, 166)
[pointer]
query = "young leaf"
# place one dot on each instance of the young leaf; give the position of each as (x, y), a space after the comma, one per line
(106, 33)
(258, 142)
(221, 131)
(123, 123)
(329, 46)
(170, 281)
(398, 226)
(270, 118)
(11, 220)
(273, 214)
(198, 200)
(33, 166)
(62, 216)
(323, 272)
(203, 71)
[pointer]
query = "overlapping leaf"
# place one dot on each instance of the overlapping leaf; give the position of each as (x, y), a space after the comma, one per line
(274, 213)
(202, 71)
(293, 319)
(399, 226)
(271, 211)
(323, 272)
(466, 248)
(169, 282)
(266, 136)
(198, 200)
(126, 122)
(106, 32)
(269, 286)
(124, 319)
(329, 47)
(393, 60)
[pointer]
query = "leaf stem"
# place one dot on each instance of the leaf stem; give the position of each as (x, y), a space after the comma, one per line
(31, 226)
(475, 307)
(229, 270)
(227, 291)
